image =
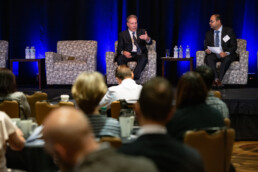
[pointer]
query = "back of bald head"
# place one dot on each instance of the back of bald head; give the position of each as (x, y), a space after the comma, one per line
(67, 126)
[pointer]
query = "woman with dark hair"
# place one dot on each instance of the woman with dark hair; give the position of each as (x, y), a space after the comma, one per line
(8, 92)
(191, 110)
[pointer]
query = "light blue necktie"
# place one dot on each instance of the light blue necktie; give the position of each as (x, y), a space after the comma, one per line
(217, 38)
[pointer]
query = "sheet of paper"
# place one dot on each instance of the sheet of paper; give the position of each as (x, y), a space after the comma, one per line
(215, 50)
(35, 143)
(36, 134)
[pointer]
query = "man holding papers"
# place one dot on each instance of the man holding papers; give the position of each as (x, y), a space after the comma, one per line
(220, 45)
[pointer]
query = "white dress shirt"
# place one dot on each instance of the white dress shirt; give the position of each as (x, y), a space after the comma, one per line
(131, 34)
(151, 129)
(220, 33)
(128, 90)
(6, 129)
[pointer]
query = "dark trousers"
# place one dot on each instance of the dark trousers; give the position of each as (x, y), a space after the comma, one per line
(141, 60)
(212, 59)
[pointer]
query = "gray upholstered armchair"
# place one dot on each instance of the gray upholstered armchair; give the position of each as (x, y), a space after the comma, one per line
(3, 53)
(238, 70)
(148, 72)
(72, 58)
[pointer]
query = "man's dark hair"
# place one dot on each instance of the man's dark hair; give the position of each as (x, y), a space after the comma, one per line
(207, 75)
(7, 82)
(156, 99)
(123, 72)
(217, 16)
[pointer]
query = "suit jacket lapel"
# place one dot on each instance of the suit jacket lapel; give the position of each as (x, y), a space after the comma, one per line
(138, 35)
(222, 36)
(128, 36)
(212, 38)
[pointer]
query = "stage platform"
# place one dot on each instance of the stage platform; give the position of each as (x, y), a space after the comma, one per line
(243, 110)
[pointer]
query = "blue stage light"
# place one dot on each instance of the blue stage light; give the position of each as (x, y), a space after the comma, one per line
(249, 32)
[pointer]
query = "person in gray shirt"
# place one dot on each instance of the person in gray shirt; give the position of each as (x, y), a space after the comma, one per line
(208, 75)
(8, 92)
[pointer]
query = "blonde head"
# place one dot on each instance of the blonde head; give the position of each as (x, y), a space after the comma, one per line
(88, 89)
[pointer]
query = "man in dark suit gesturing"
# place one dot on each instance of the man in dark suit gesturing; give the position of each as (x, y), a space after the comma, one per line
(223, 37)
(154, 110)
(132, 46)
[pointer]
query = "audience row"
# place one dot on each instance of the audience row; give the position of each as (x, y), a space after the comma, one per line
(70, 134)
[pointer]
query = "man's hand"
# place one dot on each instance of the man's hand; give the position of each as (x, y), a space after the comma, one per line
(127, 54)
(208, 51)
(19, 132)
(145, 37)
(222, 54)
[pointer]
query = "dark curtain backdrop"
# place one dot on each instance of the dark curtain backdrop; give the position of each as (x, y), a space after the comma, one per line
(41, 23)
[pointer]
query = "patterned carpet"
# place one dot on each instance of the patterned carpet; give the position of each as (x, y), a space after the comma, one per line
(245, 156)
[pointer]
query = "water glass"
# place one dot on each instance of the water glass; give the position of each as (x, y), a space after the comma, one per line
(64, 98)
(167, 53)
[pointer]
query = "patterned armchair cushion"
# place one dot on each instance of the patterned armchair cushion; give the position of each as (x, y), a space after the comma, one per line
(68, 57)
(77, 49)
(72, 58)
(241, 46)
(3, 53)
(238, 70)
(70, 65)
(148, 72)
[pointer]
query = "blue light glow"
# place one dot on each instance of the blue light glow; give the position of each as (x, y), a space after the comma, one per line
(185, 23)
(249, 33)
(106, 30)
(15, 68)
(188, 33)
(124, 15)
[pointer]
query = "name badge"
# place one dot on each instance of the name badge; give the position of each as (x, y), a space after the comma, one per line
(226, 38)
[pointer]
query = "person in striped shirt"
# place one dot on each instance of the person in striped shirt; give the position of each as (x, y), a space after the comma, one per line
(87, 90)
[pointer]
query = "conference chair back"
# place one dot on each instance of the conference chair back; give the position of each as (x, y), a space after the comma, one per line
(11, 108)
(32, 99)
(215, 148)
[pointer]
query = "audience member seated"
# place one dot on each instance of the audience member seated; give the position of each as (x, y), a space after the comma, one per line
(191, 110)
(11, 134)
(154, 110)
(127, 88)
(70, 140)
(88, 90)
(208, 76)
(8, 92)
